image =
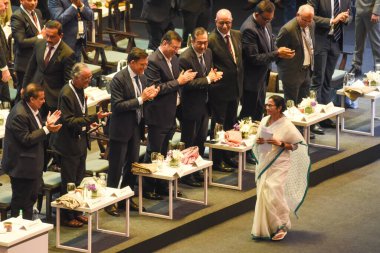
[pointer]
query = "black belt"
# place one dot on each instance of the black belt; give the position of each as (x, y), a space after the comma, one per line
(305, 67)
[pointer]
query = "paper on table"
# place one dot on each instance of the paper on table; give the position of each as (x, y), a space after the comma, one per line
(266, 134)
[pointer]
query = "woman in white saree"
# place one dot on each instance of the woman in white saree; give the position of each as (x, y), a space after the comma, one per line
(281, 173)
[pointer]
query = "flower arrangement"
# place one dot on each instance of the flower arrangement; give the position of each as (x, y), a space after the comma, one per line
(308, 105)
(93, 189)
(373, 78)
(245, 126)
(174, 157)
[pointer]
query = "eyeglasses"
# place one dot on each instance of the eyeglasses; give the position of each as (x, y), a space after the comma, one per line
(269, 105)
(86, 78)
(222, 23)
(265, 19)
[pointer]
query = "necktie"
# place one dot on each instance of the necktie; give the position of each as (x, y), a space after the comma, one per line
(203, 65)
(309, 44)
(138, 110)
(267, 37)
(228, 42)
(47, 57)
(34, 17)
(338, 26)
(40, 120)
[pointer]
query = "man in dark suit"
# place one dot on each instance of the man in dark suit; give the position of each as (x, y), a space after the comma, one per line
(194, 95)
(160, 15)
(71, 143)
(295, 73)
(50, 65)
(5, 74)
(23, 158)
(163, 71)
(330, 17)
(73, 15)
(128, 94)
(26, 24)
(259, 51)
(194, 14)
(224, 95)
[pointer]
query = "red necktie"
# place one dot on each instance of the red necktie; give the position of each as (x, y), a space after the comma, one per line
(34, 17)
(229, 46)
(47, 57)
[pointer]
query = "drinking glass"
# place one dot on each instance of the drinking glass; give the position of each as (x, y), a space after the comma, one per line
(218, 128)
(351, 79)
(181, 145)
(313, 94)
(71, 188)
(154, 157)
(289, 104)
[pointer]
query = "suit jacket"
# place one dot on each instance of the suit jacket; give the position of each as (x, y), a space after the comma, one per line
(71, 139)
(23, 144)
(3, 49)
(367, 7)
(322, 17)
(195, 6)
(67, 15)
(230, 87)
(162, 109)
(194, 94)
(290, 36)
(157, 10)
(124, 104)
(258, 54)
(24, 34)
(55, 75)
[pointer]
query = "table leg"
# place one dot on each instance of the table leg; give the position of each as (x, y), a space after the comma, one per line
(140, 195)
(127, 203)
(170, 199)
(343, 106)
(373, 117)
(210, 168)
(337, 134)
(58, 224)
(89, 233)
(240, 171)
(205, 172)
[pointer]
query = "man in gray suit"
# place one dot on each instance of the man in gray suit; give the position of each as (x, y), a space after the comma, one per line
(367, 20)
(295, 73)
(23, 158)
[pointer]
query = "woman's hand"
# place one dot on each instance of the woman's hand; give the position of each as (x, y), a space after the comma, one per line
(274, 142)
(260, 141)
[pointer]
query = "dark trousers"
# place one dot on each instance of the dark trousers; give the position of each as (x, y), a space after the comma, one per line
(225, 113)
(73, 170)
(194, 132)
(121, 157)
(20, 80)
(193, 20)
(24, 195)
(158, 141)
(324, 65)
(299, 87)
(156, 31)
(253, 103)
(4, 92)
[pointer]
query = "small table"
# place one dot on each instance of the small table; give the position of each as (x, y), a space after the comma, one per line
(34, 239)
(96, 205)
(241, 167)
(372, 96)
(316, 118)
(172, 175)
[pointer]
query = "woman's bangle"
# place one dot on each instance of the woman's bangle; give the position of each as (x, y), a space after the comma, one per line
(282, 145)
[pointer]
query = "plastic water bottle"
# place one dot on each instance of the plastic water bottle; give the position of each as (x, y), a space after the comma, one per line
(20, 215)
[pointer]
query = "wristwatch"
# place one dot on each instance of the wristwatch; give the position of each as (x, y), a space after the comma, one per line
(282, 145)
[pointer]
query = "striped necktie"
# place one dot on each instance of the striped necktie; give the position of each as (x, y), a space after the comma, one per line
(338, 26)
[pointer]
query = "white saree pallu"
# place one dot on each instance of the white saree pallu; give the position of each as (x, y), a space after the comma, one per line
(281, 178)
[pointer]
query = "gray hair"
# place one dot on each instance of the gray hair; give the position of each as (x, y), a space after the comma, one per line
(77, 69)
(306, 8)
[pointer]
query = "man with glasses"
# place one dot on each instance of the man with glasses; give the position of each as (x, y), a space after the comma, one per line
(295, 73)
(163, 72)
(224, 95)
(71, 143)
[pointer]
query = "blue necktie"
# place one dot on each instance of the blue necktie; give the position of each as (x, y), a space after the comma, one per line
(338, 26)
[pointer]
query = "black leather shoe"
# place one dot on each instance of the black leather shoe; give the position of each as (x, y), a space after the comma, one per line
(134, 207)
(223, 167)
(249, 159)
(328, 123)
(317, 129)
(190, 180)
(112, 210)
(152, 195)
(233, 162)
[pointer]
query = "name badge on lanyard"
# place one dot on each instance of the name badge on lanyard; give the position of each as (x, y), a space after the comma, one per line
(82, 106)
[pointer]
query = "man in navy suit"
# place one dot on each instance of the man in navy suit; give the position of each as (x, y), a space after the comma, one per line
(128, 95)
(27, 29)
(73, 15)
(194, 95)
(163, 71)
(23, 158)
(259, 51)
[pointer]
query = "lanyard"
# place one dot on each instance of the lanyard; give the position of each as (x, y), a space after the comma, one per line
(82, 106)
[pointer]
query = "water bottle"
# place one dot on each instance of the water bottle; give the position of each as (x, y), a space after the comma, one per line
(189, 40)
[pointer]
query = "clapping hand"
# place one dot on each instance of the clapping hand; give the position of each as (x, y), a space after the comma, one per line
(6, 75)
(52, 119)
(102, 114)
(215, 75)
(150, 92)
(186, 76)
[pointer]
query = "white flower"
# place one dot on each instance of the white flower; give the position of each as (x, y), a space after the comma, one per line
(373, 77)
(177, 154)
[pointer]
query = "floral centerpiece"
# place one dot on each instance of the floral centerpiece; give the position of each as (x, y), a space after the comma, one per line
(246, 127)
(93, 189)
(308, 105)
(174, 157)
(373, 78)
